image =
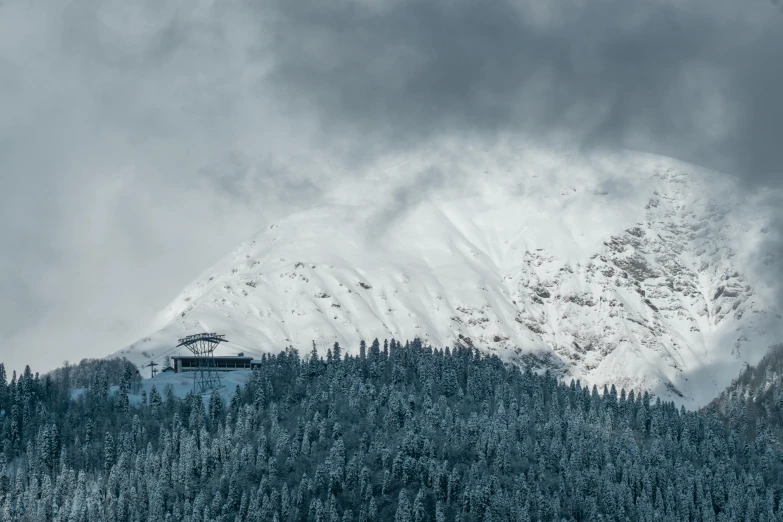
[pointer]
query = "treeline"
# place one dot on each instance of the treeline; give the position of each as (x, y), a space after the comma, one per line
(84, 374)
(400, 432)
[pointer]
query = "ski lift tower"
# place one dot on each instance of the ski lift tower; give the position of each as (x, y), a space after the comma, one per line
(205, 376)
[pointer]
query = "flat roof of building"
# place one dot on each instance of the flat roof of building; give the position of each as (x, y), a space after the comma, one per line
(221, 357)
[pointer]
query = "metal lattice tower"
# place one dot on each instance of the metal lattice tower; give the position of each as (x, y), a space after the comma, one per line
(205, 376)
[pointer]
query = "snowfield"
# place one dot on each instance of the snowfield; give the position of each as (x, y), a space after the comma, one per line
(623, 268)
(180, 383)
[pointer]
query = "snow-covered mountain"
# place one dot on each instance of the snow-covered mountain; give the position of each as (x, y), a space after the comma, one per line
(622, 268)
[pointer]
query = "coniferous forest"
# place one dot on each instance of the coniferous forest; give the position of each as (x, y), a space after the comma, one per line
(400, 432)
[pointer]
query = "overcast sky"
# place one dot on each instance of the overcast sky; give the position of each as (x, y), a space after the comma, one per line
(140, 141)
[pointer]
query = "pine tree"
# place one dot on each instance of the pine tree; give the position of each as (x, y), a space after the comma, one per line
(108, 451)
(403, 513)
(440, 512)
(124, 390)
(236, 400)
(314, 364)
(216, 409)
(419, 513)
(155, 401)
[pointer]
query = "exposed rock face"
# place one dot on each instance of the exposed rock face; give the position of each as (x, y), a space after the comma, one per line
(627, 268)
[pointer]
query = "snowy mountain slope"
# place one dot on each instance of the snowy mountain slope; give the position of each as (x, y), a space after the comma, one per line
(625, 268)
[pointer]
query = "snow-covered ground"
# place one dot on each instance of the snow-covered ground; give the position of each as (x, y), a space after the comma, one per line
(624, 268)
(181, 384)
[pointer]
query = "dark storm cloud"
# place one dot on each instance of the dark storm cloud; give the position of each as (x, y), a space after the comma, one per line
(697, 80)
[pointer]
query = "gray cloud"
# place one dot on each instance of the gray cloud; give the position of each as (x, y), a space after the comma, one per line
(697, 80)
(404, 197)
(139, 141)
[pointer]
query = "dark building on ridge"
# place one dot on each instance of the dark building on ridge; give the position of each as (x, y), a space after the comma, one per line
(189, 363)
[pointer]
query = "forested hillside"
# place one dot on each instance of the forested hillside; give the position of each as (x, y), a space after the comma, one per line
(753, 403)
(403, 433)
(90, 373)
